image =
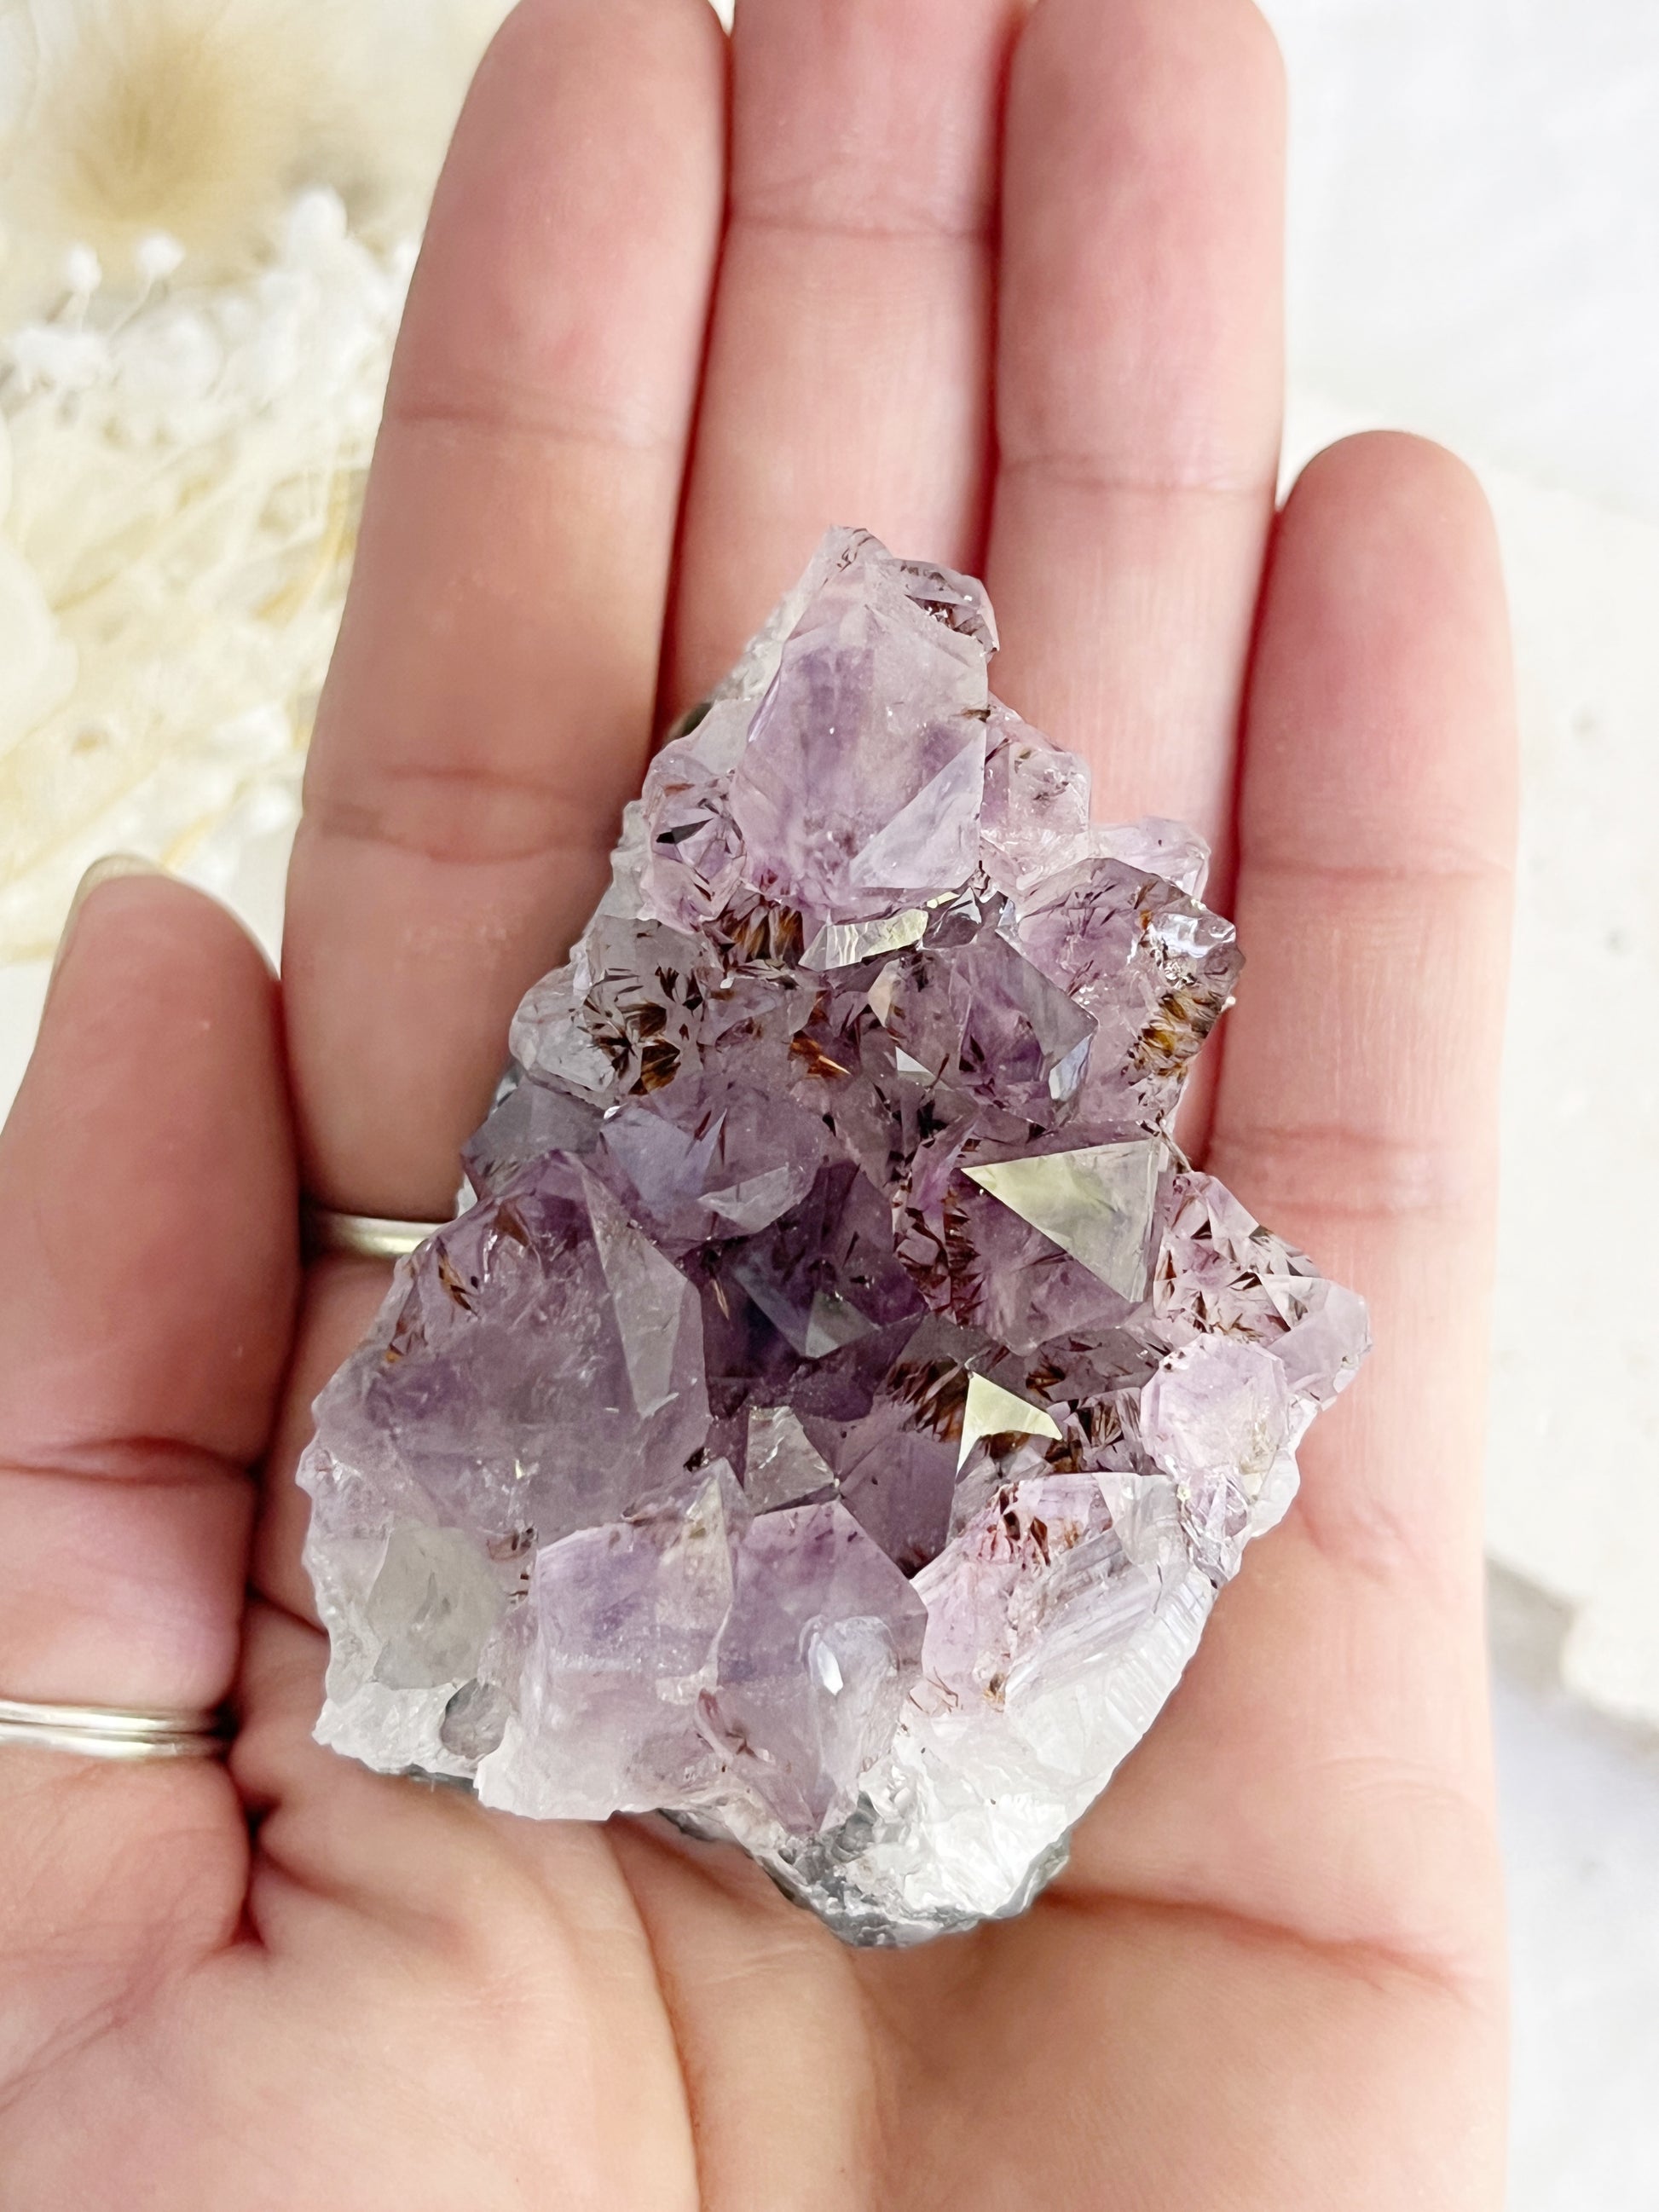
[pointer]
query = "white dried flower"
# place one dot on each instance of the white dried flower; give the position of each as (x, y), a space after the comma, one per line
(197, 121)
(192, 357)
(184, 483)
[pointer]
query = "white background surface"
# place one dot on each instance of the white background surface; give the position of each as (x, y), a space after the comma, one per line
(1580, 1837)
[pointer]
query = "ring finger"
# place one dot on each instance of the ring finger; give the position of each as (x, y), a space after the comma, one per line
(489, 705)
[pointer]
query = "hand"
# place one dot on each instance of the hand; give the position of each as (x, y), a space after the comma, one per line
(1046, 349)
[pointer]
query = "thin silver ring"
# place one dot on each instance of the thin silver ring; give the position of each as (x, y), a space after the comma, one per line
(113, 1731)
(367, 1236)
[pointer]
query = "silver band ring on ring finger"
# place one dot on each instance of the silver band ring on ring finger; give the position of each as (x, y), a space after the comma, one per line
(114, 1732)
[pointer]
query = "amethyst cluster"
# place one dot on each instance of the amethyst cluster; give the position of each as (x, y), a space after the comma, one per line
(834, 1418)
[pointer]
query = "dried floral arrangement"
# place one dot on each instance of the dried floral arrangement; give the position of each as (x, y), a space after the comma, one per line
(206, 229)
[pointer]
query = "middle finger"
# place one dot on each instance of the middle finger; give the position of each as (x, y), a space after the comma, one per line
(1139, 389)
(848, 366)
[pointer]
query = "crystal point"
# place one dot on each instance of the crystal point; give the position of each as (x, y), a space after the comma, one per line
(1095, 1203)
(835, 1419)
(991, 1411)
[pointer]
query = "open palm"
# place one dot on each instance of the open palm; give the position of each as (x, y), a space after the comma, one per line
(1004, 286)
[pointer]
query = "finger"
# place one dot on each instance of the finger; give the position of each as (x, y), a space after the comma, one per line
(147, 1198)
(341, 1296)
(1377, 830)
(1326, 1762)
(849, 351)
(1138, 372)
(147, 1195)
(490, 701)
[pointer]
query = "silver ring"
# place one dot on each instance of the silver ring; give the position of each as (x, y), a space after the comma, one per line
(113, 1731)
(366, 1235)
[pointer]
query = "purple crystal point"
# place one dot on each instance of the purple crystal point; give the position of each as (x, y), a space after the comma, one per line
(861, 783)
(833, 1421)
(823, 1646)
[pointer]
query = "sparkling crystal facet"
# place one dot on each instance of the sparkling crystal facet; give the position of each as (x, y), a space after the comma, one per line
(832, 1422)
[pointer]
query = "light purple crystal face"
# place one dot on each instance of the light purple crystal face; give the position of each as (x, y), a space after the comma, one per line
(835, 1419)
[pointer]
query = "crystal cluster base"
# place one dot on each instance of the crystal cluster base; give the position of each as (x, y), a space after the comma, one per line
(833, 1421)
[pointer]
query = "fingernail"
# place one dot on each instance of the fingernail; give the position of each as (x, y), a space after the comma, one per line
(101, 871)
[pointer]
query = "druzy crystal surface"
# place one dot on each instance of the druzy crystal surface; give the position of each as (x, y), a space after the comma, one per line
(834, 1420)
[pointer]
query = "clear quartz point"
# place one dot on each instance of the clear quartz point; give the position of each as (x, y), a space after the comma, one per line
(832, 1422)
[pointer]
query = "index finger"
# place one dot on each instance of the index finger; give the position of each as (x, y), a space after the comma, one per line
(1324, 1765)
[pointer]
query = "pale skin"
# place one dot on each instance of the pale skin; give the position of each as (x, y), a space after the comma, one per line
(1004, 285)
